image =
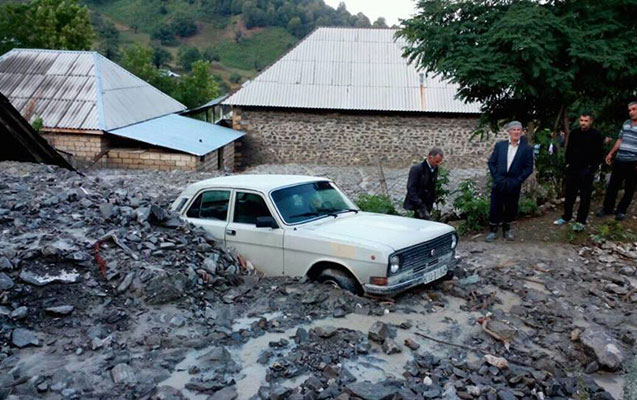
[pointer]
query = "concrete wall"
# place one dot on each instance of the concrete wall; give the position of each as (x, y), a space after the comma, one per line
(335, 138)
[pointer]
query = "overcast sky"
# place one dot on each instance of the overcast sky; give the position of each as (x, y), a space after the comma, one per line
(391, 10)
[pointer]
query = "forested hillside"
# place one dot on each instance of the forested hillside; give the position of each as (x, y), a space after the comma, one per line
(238, 37)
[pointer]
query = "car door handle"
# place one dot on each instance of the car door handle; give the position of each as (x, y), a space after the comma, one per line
(231, 232)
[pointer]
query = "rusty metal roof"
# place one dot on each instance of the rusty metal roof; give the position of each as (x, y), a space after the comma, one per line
(79, 90)
(350, 69)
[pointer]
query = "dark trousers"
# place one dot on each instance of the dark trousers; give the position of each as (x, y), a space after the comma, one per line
(504, 208)
(578, 181)
(622, 172)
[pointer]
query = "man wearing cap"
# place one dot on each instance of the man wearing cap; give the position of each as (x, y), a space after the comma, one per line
(421, 185)
(510, 164)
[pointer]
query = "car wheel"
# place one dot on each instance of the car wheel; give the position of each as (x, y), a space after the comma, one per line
(338, 278)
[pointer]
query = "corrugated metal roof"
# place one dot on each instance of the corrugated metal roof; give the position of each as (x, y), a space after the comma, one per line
(79, 90)
(180, 133)
(349, 69)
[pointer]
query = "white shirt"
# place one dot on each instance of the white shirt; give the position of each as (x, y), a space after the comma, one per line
(513, 149)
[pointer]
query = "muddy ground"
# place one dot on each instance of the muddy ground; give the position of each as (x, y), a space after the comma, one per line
(530, 319)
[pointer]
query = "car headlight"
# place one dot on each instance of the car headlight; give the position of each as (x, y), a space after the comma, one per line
(454, 241)
(394, 264)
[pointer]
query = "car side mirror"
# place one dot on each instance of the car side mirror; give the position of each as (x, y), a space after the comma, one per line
(266, 222)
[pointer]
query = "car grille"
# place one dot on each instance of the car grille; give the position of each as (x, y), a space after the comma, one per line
(419, 257)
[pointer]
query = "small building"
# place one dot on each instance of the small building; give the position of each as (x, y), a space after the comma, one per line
(346, 96)
(98, 112)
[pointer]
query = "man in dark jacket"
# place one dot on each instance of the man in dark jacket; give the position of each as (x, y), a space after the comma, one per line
(510, 164)
(584, 153)
(421, 185)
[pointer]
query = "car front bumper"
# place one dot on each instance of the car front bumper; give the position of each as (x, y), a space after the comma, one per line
(408, 279)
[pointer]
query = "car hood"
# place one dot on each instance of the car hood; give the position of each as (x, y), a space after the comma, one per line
(389, 230)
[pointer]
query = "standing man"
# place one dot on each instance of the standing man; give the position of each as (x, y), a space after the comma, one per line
(510, 164)
(624, 167)
(584, 153)
(421, 185)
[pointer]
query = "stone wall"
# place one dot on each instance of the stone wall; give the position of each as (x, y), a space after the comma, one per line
(336, 138)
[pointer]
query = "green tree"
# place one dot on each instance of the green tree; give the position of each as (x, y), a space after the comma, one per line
(161, 56)
(139, 61)
(380, 23)
(184, 25)
(48, 24)
(198, 87)
(187, 55)
(528, 60)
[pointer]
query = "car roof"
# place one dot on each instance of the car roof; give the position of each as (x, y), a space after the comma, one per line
(263, 183)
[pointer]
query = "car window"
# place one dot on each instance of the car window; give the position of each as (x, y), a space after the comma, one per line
(309, 201)
(249, 206)
(212, 204)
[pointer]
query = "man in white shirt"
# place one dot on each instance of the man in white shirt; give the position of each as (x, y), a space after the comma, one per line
(510, 164)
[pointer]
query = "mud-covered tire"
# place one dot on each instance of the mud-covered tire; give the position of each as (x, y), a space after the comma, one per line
(339, 278)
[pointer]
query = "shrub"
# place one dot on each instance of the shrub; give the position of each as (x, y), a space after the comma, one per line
(376, 204)
(235, 78)
(529, 207)
(549, 166)
(472, 206)
(441, 186)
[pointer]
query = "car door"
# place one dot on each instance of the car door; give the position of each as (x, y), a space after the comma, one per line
(210, 211)
(263, 247)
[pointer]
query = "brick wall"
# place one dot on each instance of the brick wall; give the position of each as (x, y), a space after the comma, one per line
(356, 138)
(229, 157)
(209, 162)
(150, 159)
(83, 146)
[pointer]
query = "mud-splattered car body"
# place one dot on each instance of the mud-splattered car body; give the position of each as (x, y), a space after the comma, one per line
(305, 226)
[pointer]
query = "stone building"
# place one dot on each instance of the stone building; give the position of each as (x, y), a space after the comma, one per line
(346, 96)
(97, 112)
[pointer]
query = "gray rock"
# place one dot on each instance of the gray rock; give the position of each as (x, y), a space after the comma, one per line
(5, 264)
(24, 337)
(227, 393)
(126, 282)
(164, 289)
(19, 313)
(42, 279)
(177, 321)
(106, 209)
(210, 264)
(60, 310)
(506, 395)
(325, 331)
(6, 282)
(378, 332)
(391, 347)
(625, 270)
(606, 349)
(371, 391)
(450, 392)
(123, 374)
(168, 393)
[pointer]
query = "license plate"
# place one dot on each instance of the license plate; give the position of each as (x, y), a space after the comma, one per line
(435, 274)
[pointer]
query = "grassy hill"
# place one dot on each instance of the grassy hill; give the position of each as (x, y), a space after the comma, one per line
(239, 37)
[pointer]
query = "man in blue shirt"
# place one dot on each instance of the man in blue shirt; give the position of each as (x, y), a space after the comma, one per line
(624, 167)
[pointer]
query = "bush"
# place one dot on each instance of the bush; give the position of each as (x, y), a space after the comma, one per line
(529, 207)
(550, 166)
(235, 78)
(441, 186)
(376, 204)
(472, 206)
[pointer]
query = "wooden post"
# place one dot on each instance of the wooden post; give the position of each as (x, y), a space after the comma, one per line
(383, 182)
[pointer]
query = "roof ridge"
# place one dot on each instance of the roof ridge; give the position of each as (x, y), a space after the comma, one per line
(101, 119)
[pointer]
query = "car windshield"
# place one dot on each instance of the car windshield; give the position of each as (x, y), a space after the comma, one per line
(309, 201)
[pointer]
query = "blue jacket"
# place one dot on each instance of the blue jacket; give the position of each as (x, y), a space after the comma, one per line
(521, 167)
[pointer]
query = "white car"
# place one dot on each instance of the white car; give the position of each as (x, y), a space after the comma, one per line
(305, 226)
